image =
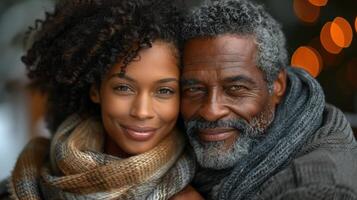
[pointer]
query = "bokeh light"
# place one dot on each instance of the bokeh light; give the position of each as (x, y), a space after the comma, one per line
(329, 60)
(327, 41)
(341, 32)
(307, 58)
(318, 2)
(356, 24)
(306, 11)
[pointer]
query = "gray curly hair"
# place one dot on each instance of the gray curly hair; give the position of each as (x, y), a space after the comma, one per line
(243, 17)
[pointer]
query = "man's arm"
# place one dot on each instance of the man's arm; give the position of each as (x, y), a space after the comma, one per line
(318, 192)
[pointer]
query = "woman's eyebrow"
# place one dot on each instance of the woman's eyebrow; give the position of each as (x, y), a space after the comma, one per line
(126, 77)
(165, 80)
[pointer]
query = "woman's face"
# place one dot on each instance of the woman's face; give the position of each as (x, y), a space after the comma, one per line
(141, 108)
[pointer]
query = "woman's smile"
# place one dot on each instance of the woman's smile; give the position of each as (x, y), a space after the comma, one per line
(138, 133)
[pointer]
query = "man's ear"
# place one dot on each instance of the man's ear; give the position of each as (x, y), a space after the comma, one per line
(279, 87)
(94, 94)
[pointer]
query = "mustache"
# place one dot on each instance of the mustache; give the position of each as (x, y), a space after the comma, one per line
(195, 124)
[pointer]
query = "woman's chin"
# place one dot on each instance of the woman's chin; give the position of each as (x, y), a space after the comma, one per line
(138, 150)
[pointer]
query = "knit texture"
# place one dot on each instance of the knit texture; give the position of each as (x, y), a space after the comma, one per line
(79, 170)
(297, 118)
(326, 167)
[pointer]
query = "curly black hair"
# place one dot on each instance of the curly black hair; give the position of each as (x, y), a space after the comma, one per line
(76, 45)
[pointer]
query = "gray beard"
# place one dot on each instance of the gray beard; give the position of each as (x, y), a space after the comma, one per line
(218, 155)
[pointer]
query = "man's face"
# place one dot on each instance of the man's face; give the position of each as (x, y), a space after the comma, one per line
(225, 100)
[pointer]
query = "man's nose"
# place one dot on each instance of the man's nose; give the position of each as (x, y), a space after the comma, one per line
(142, 107)
(213, 107)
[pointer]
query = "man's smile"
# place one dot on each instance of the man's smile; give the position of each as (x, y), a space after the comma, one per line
(216, 134)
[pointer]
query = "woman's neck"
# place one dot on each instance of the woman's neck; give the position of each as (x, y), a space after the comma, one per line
(113, 149)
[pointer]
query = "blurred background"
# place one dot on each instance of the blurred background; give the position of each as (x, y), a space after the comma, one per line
(321, 38)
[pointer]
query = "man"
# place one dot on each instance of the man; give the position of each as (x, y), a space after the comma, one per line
(259, 128)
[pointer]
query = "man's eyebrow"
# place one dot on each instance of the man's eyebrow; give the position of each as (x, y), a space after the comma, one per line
(188, 82)
(126, 77)
(240, 78)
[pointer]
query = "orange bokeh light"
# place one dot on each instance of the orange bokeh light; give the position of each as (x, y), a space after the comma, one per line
(341, 32)
(318, 2)
(329, 59)
(356, 24)
(307, 58)
(306, 11)
(327, 41)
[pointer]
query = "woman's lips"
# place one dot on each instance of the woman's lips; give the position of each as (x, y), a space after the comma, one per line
(214, 135)
(139, 133)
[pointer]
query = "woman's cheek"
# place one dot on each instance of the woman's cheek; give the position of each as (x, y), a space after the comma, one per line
(169, 110)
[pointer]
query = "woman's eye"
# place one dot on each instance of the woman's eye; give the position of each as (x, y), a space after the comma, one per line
(123, 89)
(165, 91)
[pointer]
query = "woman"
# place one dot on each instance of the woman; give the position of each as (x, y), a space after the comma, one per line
(110, 69)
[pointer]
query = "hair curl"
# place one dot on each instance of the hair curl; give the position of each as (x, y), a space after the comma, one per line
(243, 17)
(79, 42)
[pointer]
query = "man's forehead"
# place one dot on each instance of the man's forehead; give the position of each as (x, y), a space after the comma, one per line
(223, 49)
(226, 59)
(214, 46)
(214, 77)
(212, 66)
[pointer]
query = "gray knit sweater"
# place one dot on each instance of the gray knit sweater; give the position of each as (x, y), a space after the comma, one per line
(326, 168)
(308, 152)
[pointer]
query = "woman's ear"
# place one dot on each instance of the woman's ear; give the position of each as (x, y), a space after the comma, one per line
(279, 87)
(94, 94)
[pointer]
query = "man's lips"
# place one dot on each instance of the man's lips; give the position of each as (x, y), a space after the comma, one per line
(216, 134)
(139, 133)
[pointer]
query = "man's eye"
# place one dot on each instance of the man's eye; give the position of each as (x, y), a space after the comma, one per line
(191, 91)
(234, 89)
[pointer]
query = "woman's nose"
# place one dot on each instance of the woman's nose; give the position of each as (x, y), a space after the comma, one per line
(142, 107)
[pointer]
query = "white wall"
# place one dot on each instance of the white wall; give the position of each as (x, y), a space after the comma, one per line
(14, 22)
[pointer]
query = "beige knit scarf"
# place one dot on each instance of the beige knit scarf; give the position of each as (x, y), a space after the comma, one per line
(77, 168)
